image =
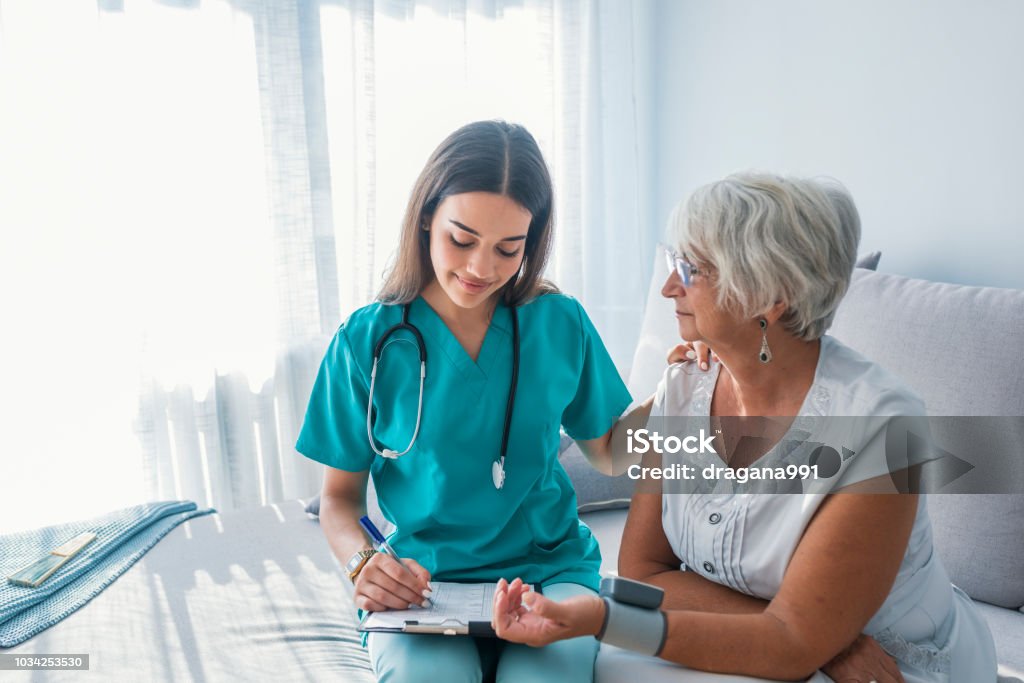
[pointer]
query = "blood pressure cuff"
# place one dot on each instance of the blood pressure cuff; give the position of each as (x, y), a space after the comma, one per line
(633, 628)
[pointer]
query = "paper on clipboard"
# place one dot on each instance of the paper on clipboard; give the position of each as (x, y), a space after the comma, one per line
(458, 609)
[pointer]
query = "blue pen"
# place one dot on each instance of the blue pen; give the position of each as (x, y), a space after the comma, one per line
(374, 533)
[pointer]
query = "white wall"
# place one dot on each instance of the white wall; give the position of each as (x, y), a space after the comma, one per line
(918, 107)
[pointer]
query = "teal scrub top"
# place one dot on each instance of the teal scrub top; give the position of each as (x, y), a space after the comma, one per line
(448, 515)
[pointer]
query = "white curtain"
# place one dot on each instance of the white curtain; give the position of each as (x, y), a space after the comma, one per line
(194, 194)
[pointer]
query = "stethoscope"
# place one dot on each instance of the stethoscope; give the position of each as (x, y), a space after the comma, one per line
(498, 466)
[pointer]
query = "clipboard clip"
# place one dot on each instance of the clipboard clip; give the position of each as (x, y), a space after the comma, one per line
(448, 627)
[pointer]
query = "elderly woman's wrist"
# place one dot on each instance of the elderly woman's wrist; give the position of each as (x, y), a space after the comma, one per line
(633, 628)
(598, 617)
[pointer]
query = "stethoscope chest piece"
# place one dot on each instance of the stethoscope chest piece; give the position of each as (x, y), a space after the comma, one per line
(498, 473)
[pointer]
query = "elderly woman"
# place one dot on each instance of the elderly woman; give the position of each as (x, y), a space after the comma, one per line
(774, 586)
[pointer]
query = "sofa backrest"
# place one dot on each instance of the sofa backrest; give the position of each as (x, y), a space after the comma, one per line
(960, 349)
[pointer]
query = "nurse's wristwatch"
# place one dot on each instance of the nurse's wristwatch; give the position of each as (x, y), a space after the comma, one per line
(356, 563)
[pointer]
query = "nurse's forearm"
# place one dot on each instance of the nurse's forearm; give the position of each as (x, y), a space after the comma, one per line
(339, 519)
(608, 453)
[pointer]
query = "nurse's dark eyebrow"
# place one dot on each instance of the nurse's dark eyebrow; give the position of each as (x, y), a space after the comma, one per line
(471, 231)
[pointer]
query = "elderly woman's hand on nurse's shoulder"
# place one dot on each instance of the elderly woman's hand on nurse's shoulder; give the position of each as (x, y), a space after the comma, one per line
(696, 352)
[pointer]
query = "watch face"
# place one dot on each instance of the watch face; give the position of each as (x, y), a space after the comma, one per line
(357, 560)
(354, 562)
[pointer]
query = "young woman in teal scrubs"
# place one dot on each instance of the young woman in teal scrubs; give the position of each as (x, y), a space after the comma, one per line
(475, 239)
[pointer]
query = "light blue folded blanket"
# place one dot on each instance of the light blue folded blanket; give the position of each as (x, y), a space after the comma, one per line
(122, 537)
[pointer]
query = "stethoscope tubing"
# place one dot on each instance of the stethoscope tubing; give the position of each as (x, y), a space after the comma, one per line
(421, 346)
(510, 406)
(387, 452)
(378, 350)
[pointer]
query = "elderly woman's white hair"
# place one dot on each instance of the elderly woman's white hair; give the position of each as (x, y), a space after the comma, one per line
(772, 238)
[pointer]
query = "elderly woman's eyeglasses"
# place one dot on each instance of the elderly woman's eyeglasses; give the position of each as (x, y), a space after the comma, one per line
(679, 264)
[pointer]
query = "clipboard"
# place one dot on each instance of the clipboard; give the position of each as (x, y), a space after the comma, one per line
(459, 609)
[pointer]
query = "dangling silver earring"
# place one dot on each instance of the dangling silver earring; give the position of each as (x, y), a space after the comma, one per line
(765, 356)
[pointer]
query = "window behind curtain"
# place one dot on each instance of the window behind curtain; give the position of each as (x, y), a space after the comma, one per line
(194, 195)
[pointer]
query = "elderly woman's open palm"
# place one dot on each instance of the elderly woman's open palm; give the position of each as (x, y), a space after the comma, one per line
(523, 616)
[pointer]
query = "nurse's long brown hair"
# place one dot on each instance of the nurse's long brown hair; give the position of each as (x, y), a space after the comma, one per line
(486, 156)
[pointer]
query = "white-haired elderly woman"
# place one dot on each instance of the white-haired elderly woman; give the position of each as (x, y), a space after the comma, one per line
(822, 584)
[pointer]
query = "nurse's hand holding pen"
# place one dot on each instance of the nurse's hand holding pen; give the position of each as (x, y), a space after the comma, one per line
(385, 584)
(393, 582)
(379, 580)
